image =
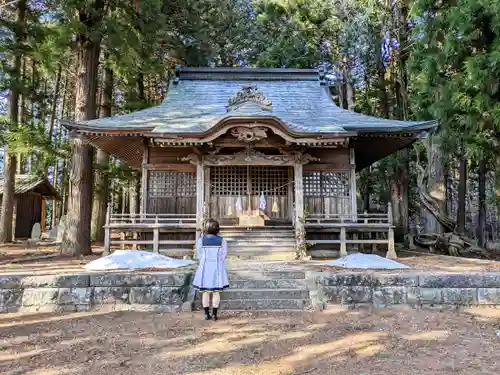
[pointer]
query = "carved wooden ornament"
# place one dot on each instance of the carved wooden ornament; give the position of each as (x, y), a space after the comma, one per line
(253, 157)
(249, 93)
(243, 133)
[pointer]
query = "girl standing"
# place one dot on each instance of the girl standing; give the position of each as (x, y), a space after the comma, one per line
(211, 275)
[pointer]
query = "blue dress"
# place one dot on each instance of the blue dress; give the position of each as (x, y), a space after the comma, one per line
(211, 275)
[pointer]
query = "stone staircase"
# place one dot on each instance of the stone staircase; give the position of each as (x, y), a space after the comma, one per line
(264, 291)
(262, 243)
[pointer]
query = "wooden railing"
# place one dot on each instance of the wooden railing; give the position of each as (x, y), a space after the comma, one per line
(155, 223)
(365, 222)
(152, 219)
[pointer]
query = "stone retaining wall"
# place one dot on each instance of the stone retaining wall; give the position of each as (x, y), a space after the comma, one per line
(163, 292)
(419, 290)
(172, 292)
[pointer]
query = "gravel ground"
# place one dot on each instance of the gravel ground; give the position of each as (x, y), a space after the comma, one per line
(428, 263)
(337, 341)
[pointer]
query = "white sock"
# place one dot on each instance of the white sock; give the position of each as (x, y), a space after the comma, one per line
(215, 300)
(205, 299)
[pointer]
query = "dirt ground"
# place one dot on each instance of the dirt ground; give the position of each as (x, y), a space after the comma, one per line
(337, 341)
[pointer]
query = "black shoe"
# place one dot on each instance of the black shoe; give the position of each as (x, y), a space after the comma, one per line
(214, 313)
(207, 313)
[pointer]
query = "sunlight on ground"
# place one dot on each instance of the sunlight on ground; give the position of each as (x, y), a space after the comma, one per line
(340, 341)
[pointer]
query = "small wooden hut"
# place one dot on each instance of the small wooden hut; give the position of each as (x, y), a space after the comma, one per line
(31, 193)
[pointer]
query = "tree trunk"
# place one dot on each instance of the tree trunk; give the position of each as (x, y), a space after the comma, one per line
(102, 179)
(54, 103)
(349, 90)
(435, 184)
(405, 192)
(382, 85)
(76, 239)
(395, 197)
(462, 193)
(8, 197)
(481, 221)
(56, 211)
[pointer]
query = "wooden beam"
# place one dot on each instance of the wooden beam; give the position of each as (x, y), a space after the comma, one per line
(200, 197)
(343, 247)
(180, 167)
(144, 179)
(107, 231)
(354, 202)
(44, 214)
(299, 201)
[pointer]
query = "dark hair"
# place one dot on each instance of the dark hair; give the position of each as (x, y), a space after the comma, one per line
(213, 227)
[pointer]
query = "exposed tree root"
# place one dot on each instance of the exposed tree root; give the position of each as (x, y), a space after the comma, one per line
(450, 243)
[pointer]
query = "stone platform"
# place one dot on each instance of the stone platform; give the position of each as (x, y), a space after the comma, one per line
(254, 286)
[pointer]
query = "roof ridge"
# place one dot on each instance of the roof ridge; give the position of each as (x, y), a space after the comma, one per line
(247, 74)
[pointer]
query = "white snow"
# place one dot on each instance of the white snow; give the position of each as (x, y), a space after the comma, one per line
(135, 259)
(365, 261)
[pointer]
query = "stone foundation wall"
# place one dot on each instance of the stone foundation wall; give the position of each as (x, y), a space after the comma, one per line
(162, 292)
(419, 290)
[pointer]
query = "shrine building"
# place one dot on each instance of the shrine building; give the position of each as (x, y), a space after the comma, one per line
(266, 152)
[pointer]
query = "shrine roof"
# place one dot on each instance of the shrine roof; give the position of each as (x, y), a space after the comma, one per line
(199, 98)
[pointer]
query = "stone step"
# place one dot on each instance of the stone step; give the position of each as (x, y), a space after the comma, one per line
(267, 284)
(258, 294)
(266, 275)
(263, 256)
(263, 244)
(243, 235)
(263, 304)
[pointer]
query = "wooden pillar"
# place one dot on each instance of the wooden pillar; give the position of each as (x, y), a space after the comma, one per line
(299, 200)
(391, 248)
(352, 188)
(156, 237)
(44, 214)
(107, 231)
(144, 181)
(200, 195)
(343, 245)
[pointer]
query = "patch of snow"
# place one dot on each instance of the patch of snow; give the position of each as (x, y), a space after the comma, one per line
(365, 261)
(135, 259)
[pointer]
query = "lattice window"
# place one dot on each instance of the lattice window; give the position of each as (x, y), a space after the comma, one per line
(229, 180)
(326, 184)
(269, 180)
(172, 184)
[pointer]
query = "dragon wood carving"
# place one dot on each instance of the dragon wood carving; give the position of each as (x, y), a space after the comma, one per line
(243, 133)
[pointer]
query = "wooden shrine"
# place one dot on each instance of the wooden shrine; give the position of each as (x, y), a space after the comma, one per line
(253, 148)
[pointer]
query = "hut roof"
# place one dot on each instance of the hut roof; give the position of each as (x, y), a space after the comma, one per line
(25, 183)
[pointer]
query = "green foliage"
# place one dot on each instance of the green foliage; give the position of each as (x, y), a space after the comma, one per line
(455, 63)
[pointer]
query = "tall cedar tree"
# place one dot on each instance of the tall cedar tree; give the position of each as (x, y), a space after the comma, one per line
(8, 200)
(76, 238)
(455, 66)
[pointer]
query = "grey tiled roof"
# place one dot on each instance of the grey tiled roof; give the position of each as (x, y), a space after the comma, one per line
(25, 183)
(197, 103)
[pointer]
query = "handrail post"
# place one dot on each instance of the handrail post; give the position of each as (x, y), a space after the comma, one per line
(391, 250)
(343, 245)
(107, 231)
(156, 237)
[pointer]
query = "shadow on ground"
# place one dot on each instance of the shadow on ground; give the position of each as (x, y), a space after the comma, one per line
(338, 341)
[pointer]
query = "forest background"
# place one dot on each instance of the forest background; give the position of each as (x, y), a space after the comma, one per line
(396, 59)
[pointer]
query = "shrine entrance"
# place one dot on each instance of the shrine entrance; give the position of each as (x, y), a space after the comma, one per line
(237, 192)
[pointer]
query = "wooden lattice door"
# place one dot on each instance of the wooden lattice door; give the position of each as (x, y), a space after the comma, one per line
(171, 192)
(237, 189)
